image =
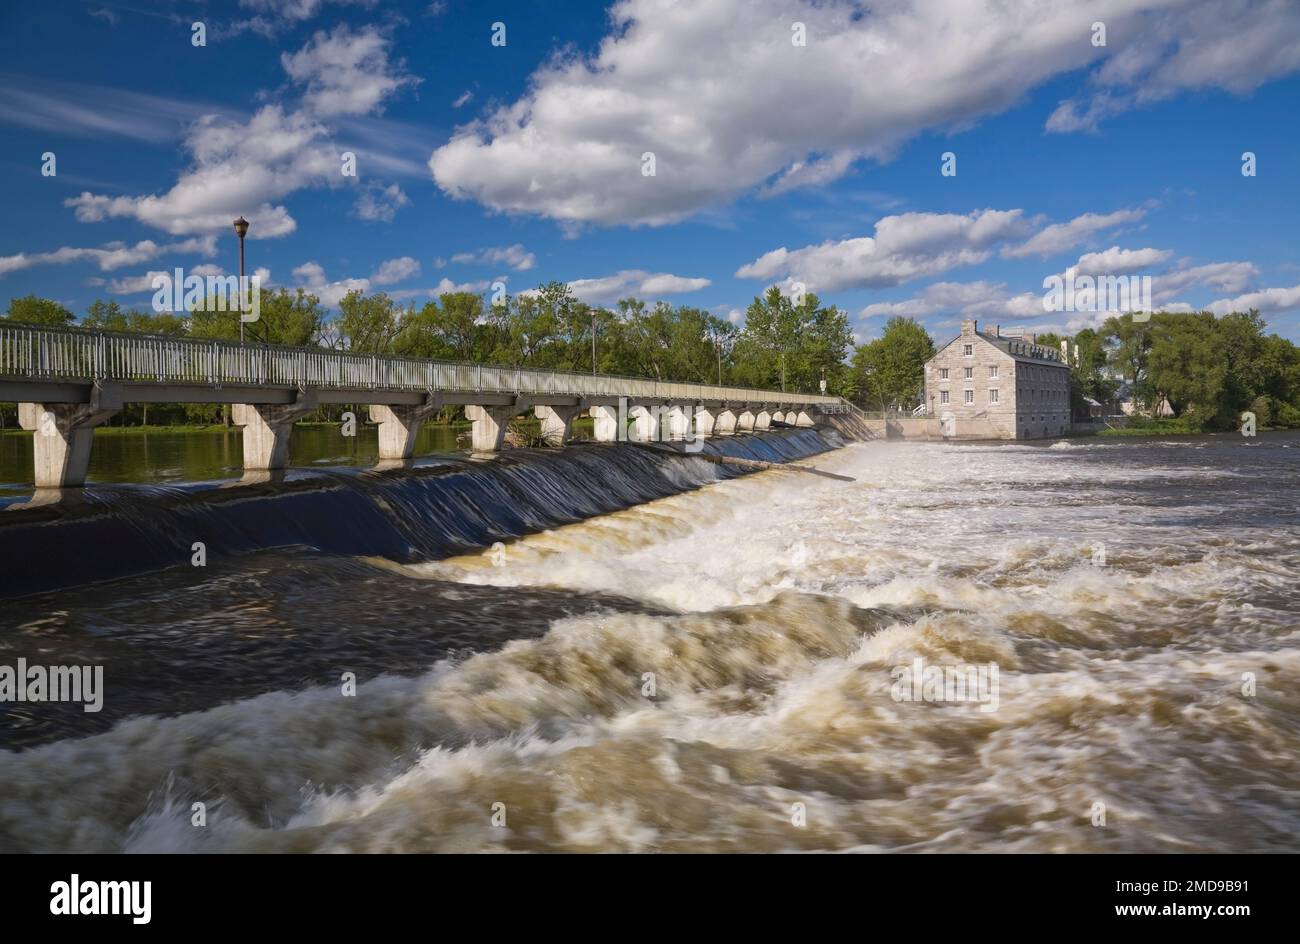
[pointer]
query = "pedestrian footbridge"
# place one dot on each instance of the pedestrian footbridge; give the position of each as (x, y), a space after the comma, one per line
(67, 381)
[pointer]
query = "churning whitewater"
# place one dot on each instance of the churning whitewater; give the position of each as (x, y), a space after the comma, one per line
(716, 671)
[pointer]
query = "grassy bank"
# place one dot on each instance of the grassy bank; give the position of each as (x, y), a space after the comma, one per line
(1168, 426)
(1165, 426)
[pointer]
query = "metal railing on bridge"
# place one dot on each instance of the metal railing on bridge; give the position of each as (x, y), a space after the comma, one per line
(35, 352)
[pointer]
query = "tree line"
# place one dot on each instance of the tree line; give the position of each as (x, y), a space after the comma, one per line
(783, 345)
(1207, 369)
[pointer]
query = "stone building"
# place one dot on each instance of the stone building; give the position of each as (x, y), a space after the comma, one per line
(985, 385)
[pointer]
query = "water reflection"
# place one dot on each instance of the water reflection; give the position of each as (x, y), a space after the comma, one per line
(156, 456)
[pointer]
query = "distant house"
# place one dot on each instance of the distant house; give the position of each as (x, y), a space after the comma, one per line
(995, 386)
(1128, 402)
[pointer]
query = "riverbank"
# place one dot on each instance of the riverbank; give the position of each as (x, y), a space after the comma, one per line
(1173, 427)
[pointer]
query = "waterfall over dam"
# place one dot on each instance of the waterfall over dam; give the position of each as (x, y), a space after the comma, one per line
(437, 507)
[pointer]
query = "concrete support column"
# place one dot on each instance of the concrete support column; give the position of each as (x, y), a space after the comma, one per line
(677, 422)
(63, 435)
(399, 426)
(490, 422)
(557, 423)
(762, 420)
(645, 423)
(608, 422)
(725, 424)
(704, 421)
(745, 422)
(804, 419)
(779, 416)
(267, 428)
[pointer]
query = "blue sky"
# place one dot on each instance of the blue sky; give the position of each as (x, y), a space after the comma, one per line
(774, 163)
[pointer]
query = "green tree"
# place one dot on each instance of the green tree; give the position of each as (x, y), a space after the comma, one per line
(1186, 364)
(109, 316)
(792, 347)
(368, 324)
(890, 370)
(1128, 345)
(295, 318)
(39, 311)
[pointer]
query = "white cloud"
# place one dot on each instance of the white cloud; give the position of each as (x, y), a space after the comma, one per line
(444, 287)
(274, 15)
(243, 166)
(311, 276)
(380, 203)
(346, 72)
(633, 282)
(1117, 261)
(108, 257)
(992, 301)
(1236, 45)
(463, 99)
(726, 103)
(1062, 236)
(907, 246)
(1221, 276)
(396, 270)
(980, 299)
(240, 165)
(134, 284)
(1269, 300)
(139, 284)
(516, 257)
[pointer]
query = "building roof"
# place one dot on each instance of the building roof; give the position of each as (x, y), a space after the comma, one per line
(1016, 349)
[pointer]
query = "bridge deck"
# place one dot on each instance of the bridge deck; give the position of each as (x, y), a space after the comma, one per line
(61, 364)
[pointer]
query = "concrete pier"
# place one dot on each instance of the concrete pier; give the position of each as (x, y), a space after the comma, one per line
(63, 433)
(762, 420)
(490, 422)
(646, 420)
(267, 428)
(400, 425)
(745, 422)
(557, 422)
(677, 422)
(607, 423)
(725, 424)
(704, 422)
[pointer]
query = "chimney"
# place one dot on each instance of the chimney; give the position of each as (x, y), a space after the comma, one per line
(968, 328)
(997, 331)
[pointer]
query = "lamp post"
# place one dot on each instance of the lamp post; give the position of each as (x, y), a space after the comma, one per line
(241, 230)
(593, 342)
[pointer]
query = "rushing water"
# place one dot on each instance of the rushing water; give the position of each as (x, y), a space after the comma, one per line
(714, 670)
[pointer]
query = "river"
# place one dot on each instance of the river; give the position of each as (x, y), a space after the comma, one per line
(144, 454)
(715, 670)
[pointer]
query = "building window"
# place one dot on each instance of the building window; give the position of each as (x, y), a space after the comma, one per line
(943, 396)
(968, 349)
(970, 396)
(943, 373)
(993, 396)
(993, 371)
(970, 372)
